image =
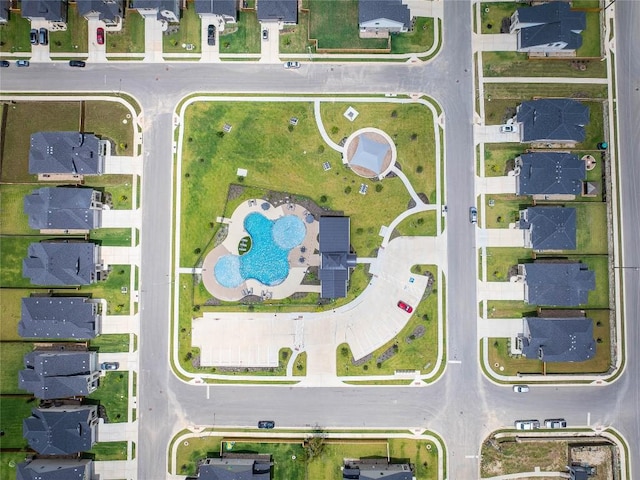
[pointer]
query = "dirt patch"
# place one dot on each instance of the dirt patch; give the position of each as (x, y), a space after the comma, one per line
(599, 456)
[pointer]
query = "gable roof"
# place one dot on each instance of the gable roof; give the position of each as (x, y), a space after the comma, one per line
(335, 259)
(52, 10)
(558, 284)
(550, 173)
(66, 153)
(61, 431)
(225, 8)
(553, 119)
(55, 469)
(551, 228)
(108, 10)
(60, 263)
(558, 340)
(61, 208)
(234, 469)
(57, 317)
(395, 10)
(553, 22)
(280, 10)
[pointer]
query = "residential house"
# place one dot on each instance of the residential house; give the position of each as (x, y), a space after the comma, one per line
(558, 284)
(62, 263)
(383, 16)
(335, 256)
(164, 10)
(579, 471)
(552, 120)
(557, 339)
(67, 155)
(227, 10)
(550, 175)
(5, 7)
(55, 469)
(371, 469)
(64, 430)
(110, 12)
(64, 209)
(52, 374)
(57, 318)
(283, 11)
(236, 467)
(549, 228)
(548, 27)
(52, 11)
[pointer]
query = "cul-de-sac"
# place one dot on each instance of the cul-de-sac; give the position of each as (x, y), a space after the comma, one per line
(319, 239)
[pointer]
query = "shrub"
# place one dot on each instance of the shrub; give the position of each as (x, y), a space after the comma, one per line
(323, 199)
(347, 190)
(197, 250)
(320, 148)
(220, 133)
(379, 187)
(414, 137)
(394, 114)
(419, 169)
(290, 128)
(334, 130)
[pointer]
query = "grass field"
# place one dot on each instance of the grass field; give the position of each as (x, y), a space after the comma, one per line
(501, 259)
(496, 156)
(118, 186)
(514, 64)
(424, 223)
(420, 39)
(10, 299)
(112, 393)
(493, 13)
(509, 309)
(130, 39)
(114, 237)
(591, 35)
(8, 462)
(12, 411)
(295, 38)
(111, 290)
(245, 38)
(12, 251)
(523, 456)
(12, 356)
(74, 38)
(111, 343)
(14, 35)
(107, 119)
(104, 451)
(188, 32)
(13, 220)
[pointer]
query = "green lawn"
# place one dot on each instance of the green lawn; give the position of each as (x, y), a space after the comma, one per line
(521, 456)
(12, 251)
(8, 463)
(493, 13)
(514, 64)
(501, 259)
(244, 37)
(295, 38)
(75, 38)
(188, 33)
(14, 35)
(12, 411)
(10, 299)
(509, 309)
(499, 158)
(598, 298)
(111, 343)
(110, 120)
(12, 356)
(590, 36)
(112, 394)
(505, 209)
(420, 39)
(131, 38)
(114, 237)
(118, 187)
(103, 451)
(111, 290)
(13, 220)
(424, 223)
(591, 221)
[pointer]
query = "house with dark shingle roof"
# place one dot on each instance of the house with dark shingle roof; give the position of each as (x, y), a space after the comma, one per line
(55, 469)
(64, 209)
(54, 11)
(335, 256)
(559, 284)
(110, 12)
(549, 175)
(59, 318)
(236, 467)
(164, 10)
(66, 154)
(64, 430)
(62, 263)
(52, 374)
(391, 16)
(557, 339)
(552, 120)
(370, 469)
(549, 228)
(549, 27)
(283, 11)
(227, 10)
(5, 7)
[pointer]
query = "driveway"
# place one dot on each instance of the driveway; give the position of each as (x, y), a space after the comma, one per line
(152, 38)
(502, 42)
(121, 218)
(496, 185)
(120, 324)
(210, 53)
(120, 255)
(501, 291)
(492, 134)
(500, 237)
(270, 49)
(123, 165)
(97, 53)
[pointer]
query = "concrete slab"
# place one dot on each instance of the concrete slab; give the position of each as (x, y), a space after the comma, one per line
(115, 469)
(152, 38)
(120, 324)
(492, 134)
(425, 8)
(499, 327)
(499, 237)
(128, 360)
(501, 42)
(120, 255)
(121, 218)
(501, 291)
(116, 432)
(495, 185)
(123, 165)
(270, 48)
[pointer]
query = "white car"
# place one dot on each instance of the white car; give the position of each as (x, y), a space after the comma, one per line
(521, 388)
(527, 424)
(555, 423)
(508, 128)
(289, 65)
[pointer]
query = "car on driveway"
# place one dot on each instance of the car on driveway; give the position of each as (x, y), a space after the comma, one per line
(211, 35)
(509, 128)
(527, 424)
(109, 366)
(404, 306)
(289, 65)
(266, 424)
(100, 35)
(265, 34)
(33, 36)
(43, 37)
(4, 63)
(22, 63)
(521, 388)
(555, 423)
(473, 214)
(77, 63)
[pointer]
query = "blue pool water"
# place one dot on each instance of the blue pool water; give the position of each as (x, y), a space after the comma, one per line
(267, 261)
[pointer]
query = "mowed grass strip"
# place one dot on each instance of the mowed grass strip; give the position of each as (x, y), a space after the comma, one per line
(112, 394)
(12, 356)
(514, 64)
(188, 33)
(104, 451)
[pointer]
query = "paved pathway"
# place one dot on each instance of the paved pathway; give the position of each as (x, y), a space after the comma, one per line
(323, 133)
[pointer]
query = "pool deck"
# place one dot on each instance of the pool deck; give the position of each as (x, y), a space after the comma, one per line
(299, 262)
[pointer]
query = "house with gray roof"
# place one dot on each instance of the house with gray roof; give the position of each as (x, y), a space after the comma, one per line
(52, 374)
(548, 27)
(370, 469)
(549, 228)
(557, 339)
(386, 16)
(66, 154)
(52, 11)
(335, 256)
(163, 10)
(552, 120)
(236, 467)
(227, 10)
(5, 7)
(64, 430)
(550, 175)
(58, 318)
(64, 209)
(62, 263)
(282, 11)
(110, 12)
(55, 469)
(559, 284)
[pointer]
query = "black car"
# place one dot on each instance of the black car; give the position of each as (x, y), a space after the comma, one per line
(76, 63)
(211, 35)
(266, 424)
(4, 63)
(33, 36)
(44, 36)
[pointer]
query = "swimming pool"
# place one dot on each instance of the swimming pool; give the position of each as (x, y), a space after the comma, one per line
(267, 260)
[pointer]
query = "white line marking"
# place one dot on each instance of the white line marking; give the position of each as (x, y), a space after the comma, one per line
(588, 418)
(208, 392)
(455, 361)
(471, 456)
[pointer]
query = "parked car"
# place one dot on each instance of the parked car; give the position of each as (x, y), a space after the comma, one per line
(43, 38)
(4, 63)
(527, 424)
(406, 307)
(289, 65)
(473, 214)
(100, 35)
(521, 388)
(507, 128)
(109, 366)
(555, 423)
(265, 34)
(33, 36)
(22, 63)
(266, 424)
(211, 35)
(77, 63)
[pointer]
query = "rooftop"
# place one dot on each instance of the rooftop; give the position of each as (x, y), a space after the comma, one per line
(558, 340)
(551, 228)
(550, 173)
(58, 318)
(558, 284)
(553, 120)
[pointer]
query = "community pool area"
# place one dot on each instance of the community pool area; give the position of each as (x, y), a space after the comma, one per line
(267, 260)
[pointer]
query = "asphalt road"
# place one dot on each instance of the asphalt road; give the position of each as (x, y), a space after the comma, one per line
(462, 406)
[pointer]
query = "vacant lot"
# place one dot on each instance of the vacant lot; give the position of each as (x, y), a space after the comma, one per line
(514, 64)
(515, 457)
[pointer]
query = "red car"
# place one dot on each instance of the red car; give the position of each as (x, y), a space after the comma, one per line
(100, 36)
(405, 307)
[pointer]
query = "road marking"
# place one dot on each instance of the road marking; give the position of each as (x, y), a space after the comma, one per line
(588, 418)
(208, 392)
(471, 456)
(455, 361)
